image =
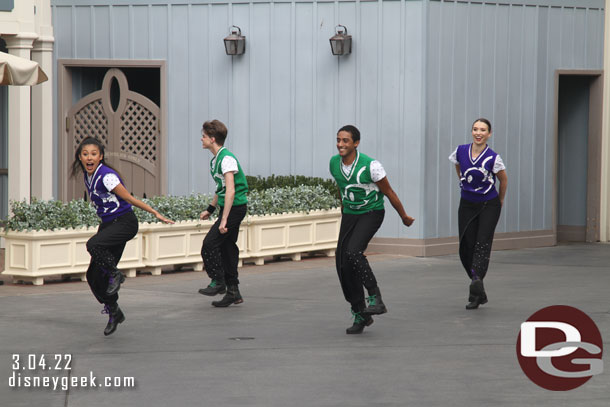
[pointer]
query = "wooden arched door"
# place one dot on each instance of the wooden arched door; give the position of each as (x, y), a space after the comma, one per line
(130, 132)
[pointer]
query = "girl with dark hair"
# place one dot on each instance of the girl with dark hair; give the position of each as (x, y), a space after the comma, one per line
(119, 225)
(363, 183)
(477, 167)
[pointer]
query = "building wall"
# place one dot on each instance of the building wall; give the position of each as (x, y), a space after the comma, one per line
(26, 16)
(498, 60)
(420, 72)
(286, 97)
(25, 113)
(3, 145)
(605, 145)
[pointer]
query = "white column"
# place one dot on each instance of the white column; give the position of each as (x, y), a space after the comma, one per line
(604, 218)
(19, 124)
(42, 122)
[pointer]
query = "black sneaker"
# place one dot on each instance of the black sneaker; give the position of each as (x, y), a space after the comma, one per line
(376, 305)
(477, 295)
(115, 317)
(114, 282)
(216, 287)
(232, 296)
(360, 321)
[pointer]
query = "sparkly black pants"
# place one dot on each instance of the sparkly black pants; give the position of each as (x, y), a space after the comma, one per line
(106, 248)
(353, 268)
(477, 224)
(219, 251)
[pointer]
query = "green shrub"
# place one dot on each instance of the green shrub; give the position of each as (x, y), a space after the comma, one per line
(176, 208)
(51, 215)
(290, 199)
(280, 181)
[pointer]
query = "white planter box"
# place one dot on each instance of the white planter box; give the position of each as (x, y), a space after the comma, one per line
(31, 256)
(179, 244)
(293, 234)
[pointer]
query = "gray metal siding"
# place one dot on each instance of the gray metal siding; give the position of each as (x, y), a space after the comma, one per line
(4, 204)
(286, 97)
(3, 144)
(420, 72)
(498, 61)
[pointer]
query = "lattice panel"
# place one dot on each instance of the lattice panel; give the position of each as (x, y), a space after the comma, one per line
(91, 121)
(139, 132)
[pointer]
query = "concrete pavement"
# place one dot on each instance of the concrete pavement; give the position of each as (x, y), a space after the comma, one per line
(286, 345)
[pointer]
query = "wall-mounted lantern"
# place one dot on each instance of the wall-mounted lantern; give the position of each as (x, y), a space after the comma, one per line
(235, 43)
(341, 43)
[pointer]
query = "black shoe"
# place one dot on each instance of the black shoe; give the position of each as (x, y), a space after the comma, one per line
(360, 321)
(376, 305)
(115, 317)
(114, 282)
(231, 297)
(477, 295)
(483, 299)
(216, 287)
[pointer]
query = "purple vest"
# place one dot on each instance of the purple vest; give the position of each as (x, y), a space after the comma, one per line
(477, 178)
(108, 205)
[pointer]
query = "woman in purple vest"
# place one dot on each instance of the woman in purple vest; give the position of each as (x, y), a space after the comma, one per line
(477, 167)
(119, 225)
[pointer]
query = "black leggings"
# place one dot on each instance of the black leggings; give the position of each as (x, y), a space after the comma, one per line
(219, 251)
(477, 224)
(352, 266)
(106, 248)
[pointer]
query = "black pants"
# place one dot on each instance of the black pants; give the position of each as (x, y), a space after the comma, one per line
(219, 251)
(106, 248)
(477, 224)
(352, 266)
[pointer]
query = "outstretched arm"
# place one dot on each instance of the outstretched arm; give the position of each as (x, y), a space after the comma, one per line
(384, 186)
(126, 196)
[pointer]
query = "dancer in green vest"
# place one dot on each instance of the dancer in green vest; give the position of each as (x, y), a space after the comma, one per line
(219, 251)
(363, 183)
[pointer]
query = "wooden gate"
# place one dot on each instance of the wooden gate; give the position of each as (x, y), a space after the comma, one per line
(130, 134)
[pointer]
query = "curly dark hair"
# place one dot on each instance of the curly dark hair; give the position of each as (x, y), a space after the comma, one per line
(77, 166)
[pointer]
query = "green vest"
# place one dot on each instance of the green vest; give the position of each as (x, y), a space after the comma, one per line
(358, 191)
(241, 185)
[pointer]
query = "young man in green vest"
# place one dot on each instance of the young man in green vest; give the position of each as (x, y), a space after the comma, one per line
(363, 183)
(219, 251)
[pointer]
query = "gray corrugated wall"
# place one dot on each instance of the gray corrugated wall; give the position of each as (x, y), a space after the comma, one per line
(286, 97)
(498, 61)
(3, 144)
(420, 72)
(3, 151)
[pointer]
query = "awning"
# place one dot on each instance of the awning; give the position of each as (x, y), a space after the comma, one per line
(20, 71)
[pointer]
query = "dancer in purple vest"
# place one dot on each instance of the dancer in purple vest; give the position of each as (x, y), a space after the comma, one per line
(119, 225)
(477, 167)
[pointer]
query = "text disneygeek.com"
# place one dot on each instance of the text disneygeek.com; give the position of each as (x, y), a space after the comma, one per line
(54, 372)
